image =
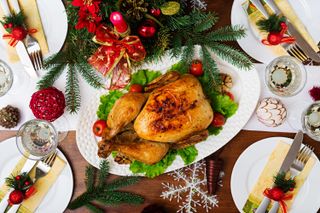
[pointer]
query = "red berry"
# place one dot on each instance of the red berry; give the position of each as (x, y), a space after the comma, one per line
(291, 189)
(16, 197)
(19, 33)
(274, 38)
(155, 12)
(27, 183)
(10, 25)
(218, 120)
(196, 68)
(231, 96)
(98, 127)
(6, 26)
(276, 193)
(136, 88)
(18, 177)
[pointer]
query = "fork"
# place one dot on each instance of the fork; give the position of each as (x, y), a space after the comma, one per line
(42, 169)
(31, 43)
(296, 52)
(296, 168)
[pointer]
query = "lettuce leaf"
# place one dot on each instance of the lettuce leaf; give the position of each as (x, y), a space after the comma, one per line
(188, 155)
(106, 103)
(144, 77)
(224, 105)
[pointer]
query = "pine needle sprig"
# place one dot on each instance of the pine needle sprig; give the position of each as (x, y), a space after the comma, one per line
(211, 71)
(89, 74)
(51, 76)
(272, 24)
(282, 182)
(72, 92)
(14, 19)
(227, 33)
(103, 192)
(230, 55)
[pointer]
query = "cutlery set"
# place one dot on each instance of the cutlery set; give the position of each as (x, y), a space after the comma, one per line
(301, 49)
(294, 163)
(43, 167)
(28, 50)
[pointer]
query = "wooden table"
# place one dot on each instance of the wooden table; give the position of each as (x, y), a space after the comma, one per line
(151, 189)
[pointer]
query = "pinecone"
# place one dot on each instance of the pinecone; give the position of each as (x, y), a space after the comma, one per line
(134, 8)
(9, 117)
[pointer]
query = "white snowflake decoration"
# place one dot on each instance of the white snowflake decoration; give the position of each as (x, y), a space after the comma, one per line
(199, 4)
(195, 180)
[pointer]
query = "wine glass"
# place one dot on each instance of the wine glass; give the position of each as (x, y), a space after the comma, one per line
(37, 139)
(6, 78)
(285, 76)
(310, 120)
(62, 125)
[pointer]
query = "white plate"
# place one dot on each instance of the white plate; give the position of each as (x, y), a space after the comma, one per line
(58, 197)
(55, 25)
(246, 90)
(250, 164)
(307, 10)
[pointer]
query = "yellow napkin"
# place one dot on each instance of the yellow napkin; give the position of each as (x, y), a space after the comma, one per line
(254, 15)
(291, 15)
(270, 170)
(33, 21)
(42, 185)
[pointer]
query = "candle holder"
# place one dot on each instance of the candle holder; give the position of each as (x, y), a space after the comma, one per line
(310, 120)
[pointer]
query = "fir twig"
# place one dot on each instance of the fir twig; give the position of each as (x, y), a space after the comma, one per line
(89, 74)
(72, 90)
(90, 178)
(51, 76)
(103, 172)
(227, 33)
(121, 182)
(94, 208)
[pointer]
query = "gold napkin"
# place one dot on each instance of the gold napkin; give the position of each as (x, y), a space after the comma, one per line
(33, 21)
(270, 170)
(291, 15)
(254, 15)
(42, 185)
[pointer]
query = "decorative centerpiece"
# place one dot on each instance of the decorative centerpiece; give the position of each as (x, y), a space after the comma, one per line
(115, 37)
(271, 112)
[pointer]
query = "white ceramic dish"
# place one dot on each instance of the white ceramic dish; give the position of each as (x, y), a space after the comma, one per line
(58, 197)
(250, 164)
(246, 90)
(308, 11)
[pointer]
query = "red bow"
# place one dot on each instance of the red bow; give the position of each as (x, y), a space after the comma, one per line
(115, 55)
(268, 193)
(13, 40)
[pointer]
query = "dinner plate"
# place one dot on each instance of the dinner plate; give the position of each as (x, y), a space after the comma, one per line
(59, 195)
(246, 90)
(55, 25)
(250, 164)
(307, 10)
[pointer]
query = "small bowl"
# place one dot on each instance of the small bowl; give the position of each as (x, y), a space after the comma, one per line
(285, 76)
(6, 78)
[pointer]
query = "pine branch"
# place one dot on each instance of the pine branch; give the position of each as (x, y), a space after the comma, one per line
(116, 198)
(230, 55)
(72, 90)
(90, 178)
(206, 21)
(83, 199)
(51, 76)
(103, 172)
(211, 71)
(89, 74)
(121, 182)
(227, 33)
(175, 23)
(188, 52)
(94, 208)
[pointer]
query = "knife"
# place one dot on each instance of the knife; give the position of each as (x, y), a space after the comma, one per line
(20, 47)
(300, 40)
(26, 168)
(286, 164)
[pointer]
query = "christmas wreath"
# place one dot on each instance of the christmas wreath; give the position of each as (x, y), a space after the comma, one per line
(111, 37)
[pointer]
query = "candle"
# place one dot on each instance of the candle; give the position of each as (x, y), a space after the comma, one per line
(118, 21)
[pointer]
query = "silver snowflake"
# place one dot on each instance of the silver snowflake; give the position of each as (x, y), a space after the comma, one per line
(196, 4)
(191, 193)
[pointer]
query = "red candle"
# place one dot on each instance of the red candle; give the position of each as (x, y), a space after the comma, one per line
(118, 21)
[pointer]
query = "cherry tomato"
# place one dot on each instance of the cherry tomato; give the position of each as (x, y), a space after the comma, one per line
(98, 127)
(136, 88)
(218, 120)
(231, 96)
(196, 68)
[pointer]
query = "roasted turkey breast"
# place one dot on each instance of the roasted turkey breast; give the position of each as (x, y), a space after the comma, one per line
(174, 111)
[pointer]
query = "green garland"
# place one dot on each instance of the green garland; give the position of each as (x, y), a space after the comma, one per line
(178, 33)
(105, 193)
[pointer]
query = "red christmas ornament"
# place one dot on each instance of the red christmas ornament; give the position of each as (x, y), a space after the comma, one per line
(6, 26)
(10, 25)
(147, 29)
(19, 33)
(315, 93)
(47, 104)
(275, 38)
(118, 22)
(156, 12)
(276, 193)
(16, 197)
(18, 177)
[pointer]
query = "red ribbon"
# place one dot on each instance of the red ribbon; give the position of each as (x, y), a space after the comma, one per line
(13, 41)
(281, 200)
(115, 55)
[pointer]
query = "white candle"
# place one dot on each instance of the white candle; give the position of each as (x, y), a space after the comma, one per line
(314, 119)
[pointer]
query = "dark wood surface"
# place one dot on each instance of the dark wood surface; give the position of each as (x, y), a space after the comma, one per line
(152, 188)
